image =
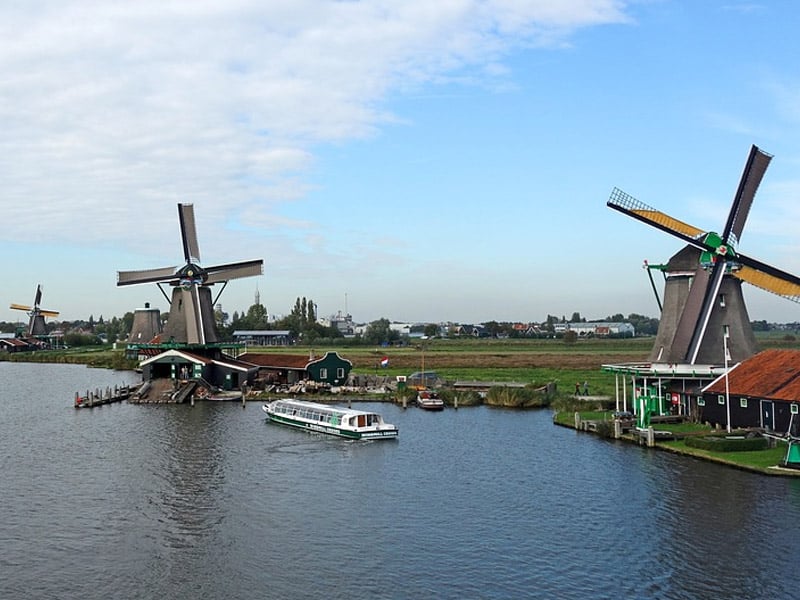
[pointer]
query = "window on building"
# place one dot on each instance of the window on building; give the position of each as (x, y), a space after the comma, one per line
(720, 399)
(701, 401)
(340, 373)
(743, 402)
(323, 373)
(793, 409)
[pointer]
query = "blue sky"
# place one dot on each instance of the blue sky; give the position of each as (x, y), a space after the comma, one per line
(414, 160)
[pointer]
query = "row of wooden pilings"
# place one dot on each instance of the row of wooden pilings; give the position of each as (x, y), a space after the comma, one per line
(99, 397)
(647, 436)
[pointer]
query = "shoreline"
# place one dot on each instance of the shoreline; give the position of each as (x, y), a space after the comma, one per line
(771, 471)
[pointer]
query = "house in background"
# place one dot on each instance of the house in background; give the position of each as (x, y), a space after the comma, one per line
(263, 337)
(182, 365)
(289, 369)
(763, 390)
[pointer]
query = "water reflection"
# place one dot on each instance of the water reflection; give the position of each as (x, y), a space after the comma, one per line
(211, 502)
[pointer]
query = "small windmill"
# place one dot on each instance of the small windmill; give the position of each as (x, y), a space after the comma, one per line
(703, 301)
(191, 315)
(36, 325)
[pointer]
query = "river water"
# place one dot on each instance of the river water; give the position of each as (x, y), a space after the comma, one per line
(163, 502)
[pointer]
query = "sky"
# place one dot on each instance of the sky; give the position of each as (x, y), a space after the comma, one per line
(404, 159)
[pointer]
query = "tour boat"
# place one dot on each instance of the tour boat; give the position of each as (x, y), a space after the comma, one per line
(333, 420)
(429, 400)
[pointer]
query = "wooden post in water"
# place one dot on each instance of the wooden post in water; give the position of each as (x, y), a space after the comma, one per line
(455, 402)
(651, 437)
(617, 429)
(577, 420)
(405, 402)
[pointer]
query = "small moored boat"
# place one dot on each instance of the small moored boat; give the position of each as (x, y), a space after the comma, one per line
(429, 400)
(221, 396)
(333, 420)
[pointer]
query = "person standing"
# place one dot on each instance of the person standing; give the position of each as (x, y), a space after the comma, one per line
(585, 388)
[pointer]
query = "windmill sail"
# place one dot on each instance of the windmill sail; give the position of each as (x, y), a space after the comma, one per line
(191, 315)
(715, 280)
(36, 325)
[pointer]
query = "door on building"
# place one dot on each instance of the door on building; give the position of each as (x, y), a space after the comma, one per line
(767, 415)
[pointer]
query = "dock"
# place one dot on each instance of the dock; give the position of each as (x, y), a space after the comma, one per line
(99, 397)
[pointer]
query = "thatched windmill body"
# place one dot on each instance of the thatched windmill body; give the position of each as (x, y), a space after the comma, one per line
(704, 310)
(191, 314)
(36, 324)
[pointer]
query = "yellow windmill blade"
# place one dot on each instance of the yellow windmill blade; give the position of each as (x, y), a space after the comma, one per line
(20, 307)
(49, 313)
(628, 205)
(771, 283)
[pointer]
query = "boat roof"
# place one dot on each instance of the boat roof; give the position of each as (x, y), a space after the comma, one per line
(320, 406)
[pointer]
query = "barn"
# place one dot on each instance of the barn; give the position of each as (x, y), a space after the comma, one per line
(762, 391)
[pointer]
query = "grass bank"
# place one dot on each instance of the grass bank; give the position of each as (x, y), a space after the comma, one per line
(765, 461)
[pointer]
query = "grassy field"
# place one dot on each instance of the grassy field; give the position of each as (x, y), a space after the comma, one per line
(530, 361)
(527, 361)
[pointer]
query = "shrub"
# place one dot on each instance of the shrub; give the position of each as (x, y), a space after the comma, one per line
(727, 444)
(515, 397)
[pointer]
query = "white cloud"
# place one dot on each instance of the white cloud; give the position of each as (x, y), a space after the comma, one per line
(123, 108)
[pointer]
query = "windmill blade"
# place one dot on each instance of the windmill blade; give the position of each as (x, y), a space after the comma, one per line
(249, 268)
(754, 169)
(49, 313)
(628, 205)
(146, 276)
(191, 249)
(195, 332)
(748, 261)
(38, 297)
(770, 279)
(687, 323)
(20, 307)
(709, 297)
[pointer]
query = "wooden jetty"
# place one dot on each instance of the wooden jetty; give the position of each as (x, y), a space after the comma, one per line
(99, 397)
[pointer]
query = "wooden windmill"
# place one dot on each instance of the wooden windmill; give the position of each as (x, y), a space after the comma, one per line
(191, 314)
(36, 324)
(704, 310)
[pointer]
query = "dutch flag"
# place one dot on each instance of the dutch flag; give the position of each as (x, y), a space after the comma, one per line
(385, 361)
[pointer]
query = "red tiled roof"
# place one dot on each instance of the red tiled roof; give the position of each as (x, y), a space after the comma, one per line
(771, 374)
(279, 361)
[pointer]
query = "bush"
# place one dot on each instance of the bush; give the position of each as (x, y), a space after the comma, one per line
(514, 397)
(727, 444)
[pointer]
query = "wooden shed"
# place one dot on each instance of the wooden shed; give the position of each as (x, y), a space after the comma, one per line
(763, 391)
(278, 368)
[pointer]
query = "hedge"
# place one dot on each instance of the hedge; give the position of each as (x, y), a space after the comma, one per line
(727, 444)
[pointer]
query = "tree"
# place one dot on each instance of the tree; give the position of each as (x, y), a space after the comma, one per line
(379, 332)
(431, 330)
(257, 317)
(643, 325)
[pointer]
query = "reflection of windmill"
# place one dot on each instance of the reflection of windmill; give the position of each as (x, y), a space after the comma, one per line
(36, 325)
(191, 315)
(703, 292)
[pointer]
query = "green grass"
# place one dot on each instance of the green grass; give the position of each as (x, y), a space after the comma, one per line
(759, 460)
